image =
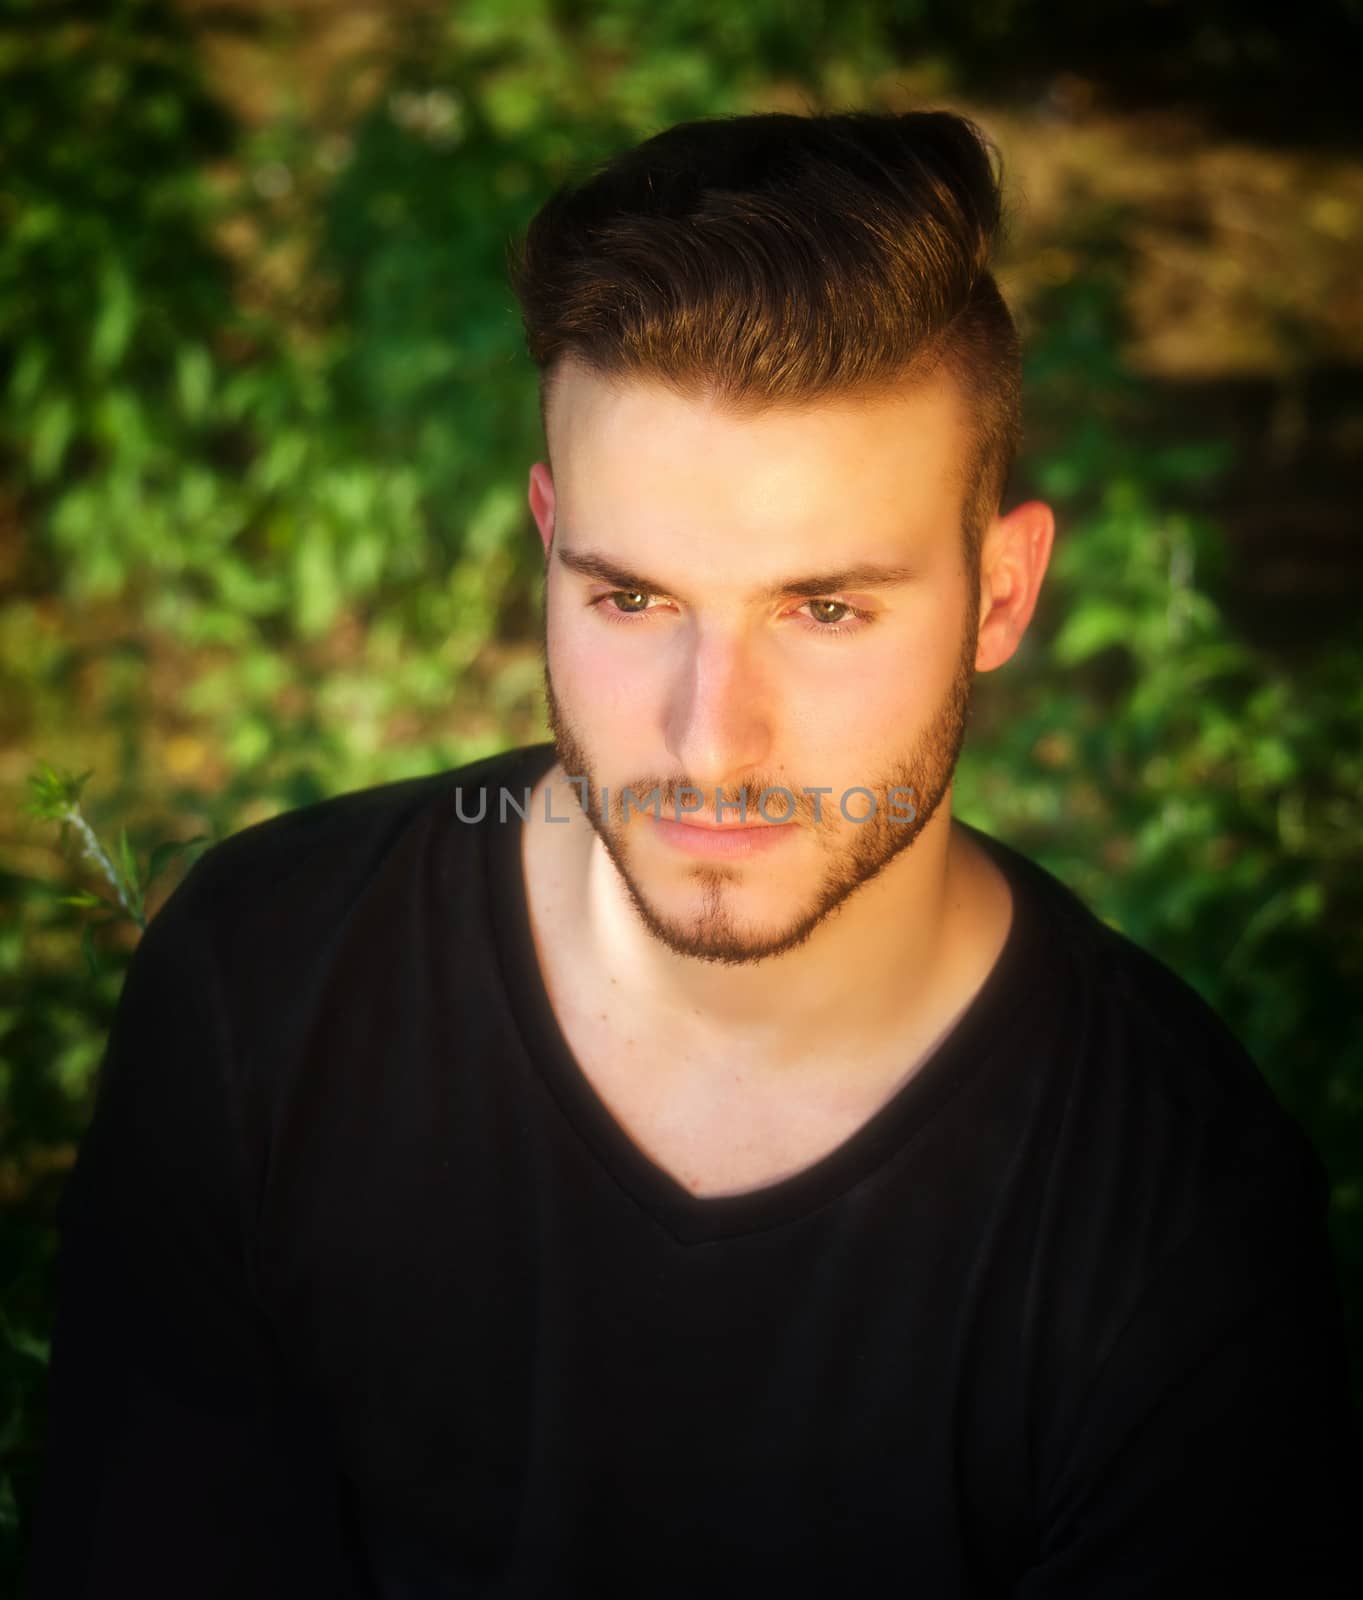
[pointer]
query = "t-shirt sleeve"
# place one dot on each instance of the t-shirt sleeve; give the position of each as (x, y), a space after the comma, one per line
(1216, 1451)
(178, 1460)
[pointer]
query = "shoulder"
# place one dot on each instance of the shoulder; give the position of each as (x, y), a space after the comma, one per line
(290, 937)
(311, 866)
(1151, 1134)
(1164, 1197)
(323, 909)
(1185, 1095)
(1167, 1172)
(1142, 1059)
(1163, 1052)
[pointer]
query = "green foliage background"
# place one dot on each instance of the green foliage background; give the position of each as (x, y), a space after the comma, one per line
(264, 426)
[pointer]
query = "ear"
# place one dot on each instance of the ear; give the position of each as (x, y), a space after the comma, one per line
(541, 496)
(1013, 561)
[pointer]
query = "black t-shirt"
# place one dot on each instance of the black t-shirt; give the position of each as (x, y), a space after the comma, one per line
(364, 1292)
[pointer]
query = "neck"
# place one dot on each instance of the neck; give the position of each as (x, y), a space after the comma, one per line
(876, 971)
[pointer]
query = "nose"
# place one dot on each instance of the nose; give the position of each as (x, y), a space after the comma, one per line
(718, 724)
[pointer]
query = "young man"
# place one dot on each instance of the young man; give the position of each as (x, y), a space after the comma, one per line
(682, 1159)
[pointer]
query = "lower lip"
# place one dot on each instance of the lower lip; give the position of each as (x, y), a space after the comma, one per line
(721, 842)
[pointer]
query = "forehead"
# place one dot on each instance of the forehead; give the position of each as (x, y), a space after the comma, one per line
(638, 443)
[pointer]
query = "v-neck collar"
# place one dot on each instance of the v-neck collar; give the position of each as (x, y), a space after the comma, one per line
(1010, 989)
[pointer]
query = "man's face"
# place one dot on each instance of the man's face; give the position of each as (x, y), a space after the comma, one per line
(672, 664)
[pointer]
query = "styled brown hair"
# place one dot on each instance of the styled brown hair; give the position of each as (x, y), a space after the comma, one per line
(776, 260)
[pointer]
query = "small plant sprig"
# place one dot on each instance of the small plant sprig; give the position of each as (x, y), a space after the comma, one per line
(56, 798)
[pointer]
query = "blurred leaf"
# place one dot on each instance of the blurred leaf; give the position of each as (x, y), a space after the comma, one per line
(84, 899)
(1091, 628)
(128, 865)
(87, 949)
(115, 312)
(167, 851)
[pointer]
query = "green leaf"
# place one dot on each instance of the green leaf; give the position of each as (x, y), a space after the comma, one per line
(1090, 629)
(87, 949)
(193, 381)
(27, 1344)
(52, 428)
(54, 793)
(166, 852)
(317, 594)
(84, 899)
(114, 319)
(128, 864)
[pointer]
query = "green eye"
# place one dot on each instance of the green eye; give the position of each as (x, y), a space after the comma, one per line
(845, 619)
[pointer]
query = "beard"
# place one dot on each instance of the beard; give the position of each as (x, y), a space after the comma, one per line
(852, 853)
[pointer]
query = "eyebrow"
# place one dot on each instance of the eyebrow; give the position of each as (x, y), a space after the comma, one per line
(865, 575)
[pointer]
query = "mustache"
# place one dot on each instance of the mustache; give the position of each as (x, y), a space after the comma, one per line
(771, 801)
(811, 806)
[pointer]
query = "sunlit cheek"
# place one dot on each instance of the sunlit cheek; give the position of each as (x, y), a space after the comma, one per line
(873, 713)
(859, 693)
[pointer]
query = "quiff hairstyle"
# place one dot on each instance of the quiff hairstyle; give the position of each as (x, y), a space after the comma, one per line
(777, 260)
